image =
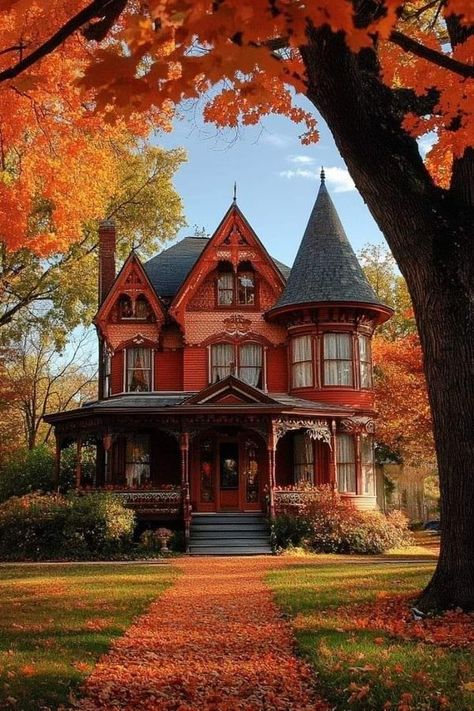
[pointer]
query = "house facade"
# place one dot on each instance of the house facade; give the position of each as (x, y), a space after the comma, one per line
(227, 381)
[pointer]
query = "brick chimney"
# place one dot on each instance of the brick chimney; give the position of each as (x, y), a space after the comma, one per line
(106, 257)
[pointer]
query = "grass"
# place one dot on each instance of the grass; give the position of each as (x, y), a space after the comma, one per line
(361, 669)
(56, 620)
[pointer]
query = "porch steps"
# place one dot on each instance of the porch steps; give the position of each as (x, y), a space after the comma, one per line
(229, 534)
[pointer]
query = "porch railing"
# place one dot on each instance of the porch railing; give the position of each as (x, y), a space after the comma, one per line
(289, 499)
(162, 502)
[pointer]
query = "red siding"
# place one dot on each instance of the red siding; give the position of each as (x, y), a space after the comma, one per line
(117, 373)
(338, 396)
(195, 368)
(277, 374)
(169, 370)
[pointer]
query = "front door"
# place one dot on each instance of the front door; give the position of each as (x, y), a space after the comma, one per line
(229, 479)
(227, 473)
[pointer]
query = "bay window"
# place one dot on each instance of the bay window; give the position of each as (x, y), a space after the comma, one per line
(368, 468)
(301, 362)
(303, 458)
(222, 361)
(337, 353)
(345, 458)
(365, 358)
(138, 370)
(250, 364)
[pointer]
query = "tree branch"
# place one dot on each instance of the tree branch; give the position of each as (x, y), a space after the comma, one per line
(431, 55)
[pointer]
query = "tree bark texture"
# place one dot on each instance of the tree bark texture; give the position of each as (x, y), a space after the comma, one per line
(429, 231)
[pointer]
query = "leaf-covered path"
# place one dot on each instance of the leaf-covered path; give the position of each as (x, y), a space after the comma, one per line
(213, 641)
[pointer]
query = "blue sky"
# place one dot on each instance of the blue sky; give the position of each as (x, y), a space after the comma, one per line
(277, 181)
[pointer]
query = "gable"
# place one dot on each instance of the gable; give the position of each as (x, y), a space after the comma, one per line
(230, 391)
(234, 242)
(131, 306)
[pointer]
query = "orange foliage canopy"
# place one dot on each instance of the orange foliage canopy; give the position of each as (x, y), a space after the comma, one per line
(74, 74)
(404, 422)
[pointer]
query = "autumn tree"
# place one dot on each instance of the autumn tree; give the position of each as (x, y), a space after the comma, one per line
(381, 73)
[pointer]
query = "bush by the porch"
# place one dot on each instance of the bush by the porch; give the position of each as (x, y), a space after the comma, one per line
(327, 523)
(54, 526)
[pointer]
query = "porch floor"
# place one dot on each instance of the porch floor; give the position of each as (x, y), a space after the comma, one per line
(229, 534)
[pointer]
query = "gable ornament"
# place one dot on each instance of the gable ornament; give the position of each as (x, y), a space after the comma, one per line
(316, 429)
(358, 425)
(237, 325)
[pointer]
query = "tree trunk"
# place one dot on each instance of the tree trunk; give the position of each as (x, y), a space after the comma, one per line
(429, 231)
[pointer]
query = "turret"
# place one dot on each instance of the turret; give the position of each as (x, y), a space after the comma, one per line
(330, 311)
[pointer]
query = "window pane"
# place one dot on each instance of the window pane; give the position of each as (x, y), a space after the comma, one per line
(345, 457)
(225, 289)
(301, 348)
(250, 364)
(337, 359)
(138, 370)
(302, 362)
(368, 468)
(303, 458)
(365, 362)
(246, 284)
(137, 461)
(222, 359)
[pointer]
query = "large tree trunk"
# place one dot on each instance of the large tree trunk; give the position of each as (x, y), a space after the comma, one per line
(429, 231)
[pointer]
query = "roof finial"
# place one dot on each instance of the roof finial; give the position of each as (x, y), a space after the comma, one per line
(235, 192)
(323, 175)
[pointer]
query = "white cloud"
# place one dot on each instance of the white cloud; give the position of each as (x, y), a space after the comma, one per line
(302, 160)
(338, 178)
(426, 143)
(278, 140)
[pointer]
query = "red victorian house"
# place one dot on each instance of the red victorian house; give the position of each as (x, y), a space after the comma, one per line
(228, 380)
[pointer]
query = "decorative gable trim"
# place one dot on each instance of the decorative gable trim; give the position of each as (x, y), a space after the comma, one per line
(234, 241)
(137, 341)
(232, 390)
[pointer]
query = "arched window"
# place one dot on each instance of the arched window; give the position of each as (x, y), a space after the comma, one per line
(345, 457)
(245, 284)
(222, 361)
(125, 307)
(337, 354)
(250, 364)
(142, 308)
(138, 370)
(225, 284)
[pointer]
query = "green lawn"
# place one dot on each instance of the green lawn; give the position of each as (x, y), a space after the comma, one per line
(360, 669)
(56, 620)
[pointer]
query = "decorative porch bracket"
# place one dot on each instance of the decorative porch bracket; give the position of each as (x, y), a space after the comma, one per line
(358, 425)
(316, 429)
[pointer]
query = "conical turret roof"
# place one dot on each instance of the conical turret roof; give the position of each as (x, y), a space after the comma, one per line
(325, 268)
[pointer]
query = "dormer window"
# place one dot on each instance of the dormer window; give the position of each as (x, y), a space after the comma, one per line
(138, 370)
(142, 309)
(125, 307)
(225, 285)
(236, 289)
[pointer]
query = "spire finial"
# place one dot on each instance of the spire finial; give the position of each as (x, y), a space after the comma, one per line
(323, 175)
(235, 192)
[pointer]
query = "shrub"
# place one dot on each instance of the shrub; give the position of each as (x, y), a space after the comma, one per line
(289, 530)
(41, 527)
(334, 525)
(27, 471)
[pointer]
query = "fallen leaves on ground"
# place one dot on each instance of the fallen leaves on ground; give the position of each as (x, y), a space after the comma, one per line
(215, 641)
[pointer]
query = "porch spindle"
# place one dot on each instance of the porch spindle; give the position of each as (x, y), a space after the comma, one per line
(184, 446)
(271, 472)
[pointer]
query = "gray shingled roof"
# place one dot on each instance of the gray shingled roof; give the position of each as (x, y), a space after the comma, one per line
(168, 270)
(326, 267)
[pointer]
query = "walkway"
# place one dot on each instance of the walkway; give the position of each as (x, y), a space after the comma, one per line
(215, 641)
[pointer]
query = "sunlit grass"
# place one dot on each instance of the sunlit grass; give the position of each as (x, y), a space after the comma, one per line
(55, 621)
(361, 669)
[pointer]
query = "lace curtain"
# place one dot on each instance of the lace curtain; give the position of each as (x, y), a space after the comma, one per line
(365, 362)
(250, 364)
(225, 289)
(222, 358)
(302, 362)
(345, 454)
(337, 359)
(138, 370)
(303, 458)
(137, 461)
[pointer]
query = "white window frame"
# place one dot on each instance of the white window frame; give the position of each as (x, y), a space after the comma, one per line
(125, 371)
(307, 362)
(327, 381)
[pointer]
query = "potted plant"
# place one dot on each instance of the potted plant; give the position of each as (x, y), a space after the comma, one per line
(164, 534)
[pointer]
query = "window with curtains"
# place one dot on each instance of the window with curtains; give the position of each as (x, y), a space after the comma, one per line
(346, 470)
(250, 364)
(138, 370)
(365, 358)
(225, 289)
(301, 362)
(137, 461)
(246, 287)
(337, 353)
(222, 361)
(107, 373)
(368, 467)
(303, 458)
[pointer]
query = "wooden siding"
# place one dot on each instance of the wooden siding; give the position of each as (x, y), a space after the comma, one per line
(277, 370)
(169, 370)
(195, 368)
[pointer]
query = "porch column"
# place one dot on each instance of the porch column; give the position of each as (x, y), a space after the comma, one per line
(358, 464)
(78, 461)
(271, 449)
(333, 457)
(184, 447)
(57, 460)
